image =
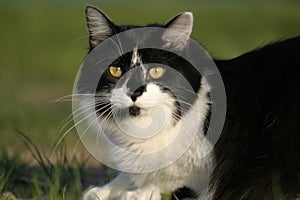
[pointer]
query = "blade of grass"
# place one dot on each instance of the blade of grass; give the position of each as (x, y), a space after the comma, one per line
(36, 154)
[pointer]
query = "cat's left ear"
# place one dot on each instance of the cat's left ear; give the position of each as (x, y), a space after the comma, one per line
(100, 27)
(178, 31)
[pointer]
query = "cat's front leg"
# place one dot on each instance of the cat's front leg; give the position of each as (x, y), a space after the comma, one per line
(109, 191)
(97, 193)
(149, 192)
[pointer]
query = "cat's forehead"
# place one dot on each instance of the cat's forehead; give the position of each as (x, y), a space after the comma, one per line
(143, 57)
(135, 58)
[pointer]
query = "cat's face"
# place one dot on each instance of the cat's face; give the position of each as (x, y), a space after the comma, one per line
(145, 89)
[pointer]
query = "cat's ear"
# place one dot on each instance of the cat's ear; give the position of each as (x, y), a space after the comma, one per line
(178, 31)
(100, 27)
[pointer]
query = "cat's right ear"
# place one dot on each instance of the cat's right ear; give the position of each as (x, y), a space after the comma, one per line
(100, 27)
(178, 31)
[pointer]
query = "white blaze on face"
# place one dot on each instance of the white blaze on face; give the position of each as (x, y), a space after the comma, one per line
(137, 61)
(135, 57)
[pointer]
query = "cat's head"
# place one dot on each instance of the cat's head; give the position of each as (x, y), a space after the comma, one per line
(151, 88)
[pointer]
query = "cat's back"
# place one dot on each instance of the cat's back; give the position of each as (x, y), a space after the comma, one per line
(267, 76)
(281, 58)
(259, 145)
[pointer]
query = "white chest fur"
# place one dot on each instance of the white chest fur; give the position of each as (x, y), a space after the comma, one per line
(194, 167)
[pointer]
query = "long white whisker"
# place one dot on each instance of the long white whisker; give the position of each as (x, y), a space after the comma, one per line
(66, 122)
(75, 113)
(100, 61)
(77, 143)
(183, 102)
(119, 50)
(80, 38)
(82, 111)
(182, 88)
(86, 117)
(120, 44)
(68, 96)
(104, 120)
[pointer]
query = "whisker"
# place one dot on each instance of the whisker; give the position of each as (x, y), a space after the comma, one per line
(182, 88)
(119, 50)
(80, 38)
(104, 120)
(120, 44)
(80, 137)
(90, 105)
(86, 117)
(100, 61)
(184, 102)
(69, 119)
(69, 98)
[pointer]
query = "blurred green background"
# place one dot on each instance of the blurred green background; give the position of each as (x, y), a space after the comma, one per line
(44, 42)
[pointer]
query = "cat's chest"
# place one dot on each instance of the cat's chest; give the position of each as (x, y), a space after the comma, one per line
(191, 170)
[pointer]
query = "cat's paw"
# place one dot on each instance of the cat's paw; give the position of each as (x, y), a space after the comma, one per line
(97, 193)
(148, 193)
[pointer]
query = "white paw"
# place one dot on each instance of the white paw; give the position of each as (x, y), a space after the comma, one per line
(97, 193)
(149, 193)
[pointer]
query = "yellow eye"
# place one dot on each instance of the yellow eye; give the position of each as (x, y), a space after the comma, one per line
(115, 71)
(156, 72)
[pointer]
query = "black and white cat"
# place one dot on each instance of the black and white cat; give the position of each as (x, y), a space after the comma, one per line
(258, 153)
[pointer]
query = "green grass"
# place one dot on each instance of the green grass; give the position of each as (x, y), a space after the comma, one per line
(43, 44)
(47, 180)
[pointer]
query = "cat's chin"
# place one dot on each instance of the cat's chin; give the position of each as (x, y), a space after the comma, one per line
(134, 111)
(138, 112)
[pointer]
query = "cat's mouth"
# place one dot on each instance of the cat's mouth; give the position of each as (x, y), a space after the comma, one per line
(134, 110)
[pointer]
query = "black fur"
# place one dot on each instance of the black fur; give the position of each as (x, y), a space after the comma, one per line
(258, 153)
(183, 192)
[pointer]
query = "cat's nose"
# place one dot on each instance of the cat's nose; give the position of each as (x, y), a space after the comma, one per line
(138, 92)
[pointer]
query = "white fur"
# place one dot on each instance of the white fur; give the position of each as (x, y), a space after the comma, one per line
(135, 57)
(192, 169)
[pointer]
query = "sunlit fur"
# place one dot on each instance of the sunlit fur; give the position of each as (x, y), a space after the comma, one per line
(257, 155)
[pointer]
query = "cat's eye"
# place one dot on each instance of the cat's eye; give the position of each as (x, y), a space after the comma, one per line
(115, 72)
(156, 72)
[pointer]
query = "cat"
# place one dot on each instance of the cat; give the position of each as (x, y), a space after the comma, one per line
(258, 153)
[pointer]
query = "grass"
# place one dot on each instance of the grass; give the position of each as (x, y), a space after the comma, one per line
(47, 180)
(42, 46)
